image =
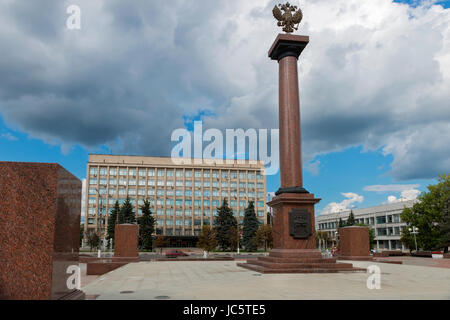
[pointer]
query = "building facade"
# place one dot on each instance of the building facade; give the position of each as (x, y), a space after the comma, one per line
(384, 219)
(183, 197)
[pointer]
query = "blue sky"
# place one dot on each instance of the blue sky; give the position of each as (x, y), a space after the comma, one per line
(127, 79)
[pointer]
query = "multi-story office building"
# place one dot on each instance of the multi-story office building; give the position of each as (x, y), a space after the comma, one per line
(183, 198)
(384, 219)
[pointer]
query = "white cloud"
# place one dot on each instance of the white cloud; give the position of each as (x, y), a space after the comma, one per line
(407, 191)
(391, 187)
(8, 136)
(313, 167)
(406, 195)
(346, 204)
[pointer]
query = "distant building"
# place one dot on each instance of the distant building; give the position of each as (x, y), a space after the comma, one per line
(183, 198)
(384, 219)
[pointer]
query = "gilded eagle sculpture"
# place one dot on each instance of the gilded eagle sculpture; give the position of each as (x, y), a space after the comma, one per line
(291, 17)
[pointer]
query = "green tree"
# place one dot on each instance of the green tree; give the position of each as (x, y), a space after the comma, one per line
(234, 236)
(428, 215)
(112, 223)
(93, 240)
(444, 226)
(223, 222)
(126, 213)
(207, 239)
(351, 219)
(341, 223)
(263, 236)
(251, 225)
(146, 226)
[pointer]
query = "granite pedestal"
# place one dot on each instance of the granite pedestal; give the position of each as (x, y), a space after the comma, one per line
(126, 241)
(354, 243)
(39, 231)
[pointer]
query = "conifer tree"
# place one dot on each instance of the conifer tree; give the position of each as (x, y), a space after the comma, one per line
(223, 222)
(351, 219)
(251, 225)
(126, 213)
(146, 226)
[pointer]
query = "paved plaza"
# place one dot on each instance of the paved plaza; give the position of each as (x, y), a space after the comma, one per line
(223, 280)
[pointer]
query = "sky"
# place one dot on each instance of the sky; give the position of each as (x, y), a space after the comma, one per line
(374, 86)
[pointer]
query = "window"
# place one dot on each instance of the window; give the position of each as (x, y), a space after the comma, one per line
(188, 223)
(198, 184)
(242, 204)
(160, 183)
(142, 173)
(215, 203)
(242, 175)
(197, 203)
(188, 193)
(215, 193)
(122, 182)
(215, 174)
(141, 182)
(198, 173)
(113, 172)
(169, 202)
(102, 181)
(188, 173)
(92, 200)
(381, 219)
(224, 184)
(151, 182)
(151, 192)
(251, 185)
(169, 222)
(188, 202)
(112, 191)
(93, 170)
(92, 181)
(206, 184)
(198, 212)
(260, 185)
(259, 176)
(206, 203)
(251, 176)
(132, 172)
(113, 181)
(160, 173)
(206, 174)
(123, 171)
(242, 185)
(188, 213)
(233, 203)
(151, 173)
(169, 172)
(169, 212)
(103, 171)
(224, 175)
(178, 222)
(179, 173)
(260, 213)
(233, 174)
(188, 183)
(224, 193)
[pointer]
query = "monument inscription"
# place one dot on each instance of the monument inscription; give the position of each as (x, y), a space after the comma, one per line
(300, 223)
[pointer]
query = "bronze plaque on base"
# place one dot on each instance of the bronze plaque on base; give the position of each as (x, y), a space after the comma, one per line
(300, 223)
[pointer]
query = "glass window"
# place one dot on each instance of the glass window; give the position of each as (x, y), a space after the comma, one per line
(169, 222)
(132, 172)
(251, 176)
(188, 202)
(242, 175)
(188, 173)
(233, 174)
(169, 172)
(92, 181)
(198, 212)
(103, 171)
(215, 174)
(151, 172)
(93, 170)
(160, 172)
(188, 213)
(179, 173)
(224, 175)
(112, 171)
(123, 171)
(198, 173)
(113, 181)
(206, 203)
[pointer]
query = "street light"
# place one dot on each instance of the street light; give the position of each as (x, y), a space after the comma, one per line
(414, 231)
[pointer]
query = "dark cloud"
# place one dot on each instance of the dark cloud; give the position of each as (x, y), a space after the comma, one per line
(372, 75)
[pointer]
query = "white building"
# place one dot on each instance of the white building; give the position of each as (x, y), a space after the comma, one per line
(384, 219)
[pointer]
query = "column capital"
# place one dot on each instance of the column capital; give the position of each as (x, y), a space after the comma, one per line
(288, 45)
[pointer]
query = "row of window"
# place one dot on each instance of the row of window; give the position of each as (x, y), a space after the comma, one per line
(179, 213)
(178, 193)
(179, 173)
(368, 221)
(179, 202)
(171, 183)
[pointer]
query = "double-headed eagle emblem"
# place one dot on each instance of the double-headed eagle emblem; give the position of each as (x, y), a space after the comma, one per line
(291, 17)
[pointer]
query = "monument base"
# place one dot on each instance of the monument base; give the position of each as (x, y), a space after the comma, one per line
(356, 258)
(297, 261)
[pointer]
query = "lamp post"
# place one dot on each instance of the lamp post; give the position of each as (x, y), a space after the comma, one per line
(414, 231)
(100, 222)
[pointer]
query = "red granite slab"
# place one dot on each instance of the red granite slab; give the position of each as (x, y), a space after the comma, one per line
(39, 230)
(126, 240)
